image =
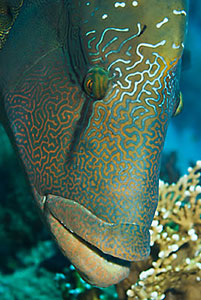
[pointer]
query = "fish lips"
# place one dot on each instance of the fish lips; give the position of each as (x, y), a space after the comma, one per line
(126, 241)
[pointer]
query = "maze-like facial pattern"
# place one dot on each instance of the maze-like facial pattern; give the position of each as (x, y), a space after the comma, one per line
(97, 160)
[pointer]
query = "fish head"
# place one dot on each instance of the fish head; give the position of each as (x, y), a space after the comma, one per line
(91, 97)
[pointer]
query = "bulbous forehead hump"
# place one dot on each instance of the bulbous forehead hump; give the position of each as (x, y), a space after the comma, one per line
(163, 20)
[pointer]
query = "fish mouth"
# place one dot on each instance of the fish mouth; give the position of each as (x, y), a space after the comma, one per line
(94, 267)
(100, 251)
(127, 241)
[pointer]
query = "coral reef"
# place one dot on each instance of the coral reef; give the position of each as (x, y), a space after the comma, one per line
(173, 270)
(77, 289)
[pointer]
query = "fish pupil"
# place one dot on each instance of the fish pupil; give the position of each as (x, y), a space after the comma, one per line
(89, 85)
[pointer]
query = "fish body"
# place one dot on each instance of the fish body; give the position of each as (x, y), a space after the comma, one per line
(87, 91)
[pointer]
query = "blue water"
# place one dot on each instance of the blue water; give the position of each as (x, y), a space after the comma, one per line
(184, 132)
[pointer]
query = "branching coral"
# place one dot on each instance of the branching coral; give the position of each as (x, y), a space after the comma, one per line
(176, 241)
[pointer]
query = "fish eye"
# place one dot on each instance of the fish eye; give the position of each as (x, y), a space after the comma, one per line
(96, 83)
(179, 106)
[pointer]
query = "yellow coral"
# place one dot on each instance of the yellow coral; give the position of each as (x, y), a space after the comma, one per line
(176, 239)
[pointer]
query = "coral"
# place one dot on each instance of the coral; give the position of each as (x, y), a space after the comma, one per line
(174, 267)
(73, 287)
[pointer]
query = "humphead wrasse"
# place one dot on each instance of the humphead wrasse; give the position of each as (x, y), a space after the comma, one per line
(87, 91)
